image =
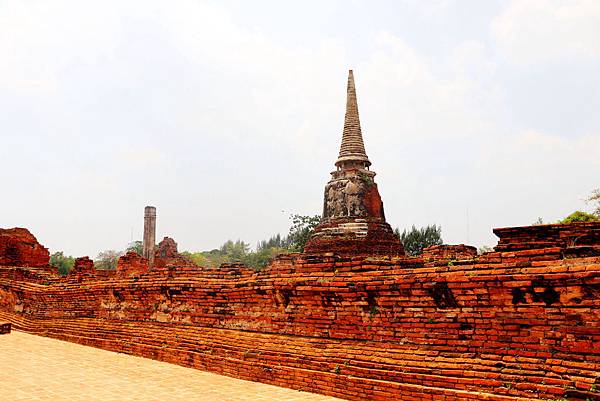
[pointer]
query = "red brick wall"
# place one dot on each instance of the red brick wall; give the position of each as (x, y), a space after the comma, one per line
(502, 326)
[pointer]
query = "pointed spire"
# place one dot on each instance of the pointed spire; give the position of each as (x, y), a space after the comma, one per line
(353, 147)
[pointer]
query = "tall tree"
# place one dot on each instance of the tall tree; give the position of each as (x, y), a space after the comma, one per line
(301, 230)
(276, 241)
(135, 246)
(417, 239)
(235, 251)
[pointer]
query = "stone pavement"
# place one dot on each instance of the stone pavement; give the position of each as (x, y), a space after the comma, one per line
(39, 368)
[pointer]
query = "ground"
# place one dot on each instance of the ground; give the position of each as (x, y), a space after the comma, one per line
(40, 368)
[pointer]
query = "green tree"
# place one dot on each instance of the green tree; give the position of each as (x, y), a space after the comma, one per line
(198, 258)
(417, 239)
(135, 246)
(62, 262)
(107, 260)
(300, 231)
(235, 251)
(276, 241)
(230, 252)
(261, 258)
(578, 216)
(239, 251)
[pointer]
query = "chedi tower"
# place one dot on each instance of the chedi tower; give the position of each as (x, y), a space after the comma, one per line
(353, 221)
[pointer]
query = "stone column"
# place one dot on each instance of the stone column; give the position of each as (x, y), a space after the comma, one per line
(149, 234)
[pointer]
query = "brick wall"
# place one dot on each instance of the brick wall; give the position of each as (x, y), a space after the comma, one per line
(512, 325)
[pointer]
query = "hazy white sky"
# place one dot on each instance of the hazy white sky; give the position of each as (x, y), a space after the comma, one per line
(227, 115)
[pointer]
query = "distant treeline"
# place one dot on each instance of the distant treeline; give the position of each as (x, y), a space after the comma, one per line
(414, 240)
(240, 252)
(230, 252)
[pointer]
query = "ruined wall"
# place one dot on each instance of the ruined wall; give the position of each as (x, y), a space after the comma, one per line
(548, 235)
(18, 247)
(503, 326)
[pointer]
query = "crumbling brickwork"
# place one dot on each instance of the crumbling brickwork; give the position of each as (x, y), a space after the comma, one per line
(18, 247)
(548, 235)
(167, 248)
(515, 325)
(132, 264)
(449, 252)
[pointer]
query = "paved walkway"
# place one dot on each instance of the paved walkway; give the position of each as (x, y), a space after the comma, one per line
(39, 368)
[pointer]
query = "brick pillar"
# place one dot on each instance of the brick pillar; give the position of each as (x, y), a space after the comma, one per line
(149, 233)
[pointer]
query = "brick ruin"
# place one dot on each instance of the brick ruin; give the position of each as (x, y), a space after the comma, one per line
(18, 247)
(345, 318)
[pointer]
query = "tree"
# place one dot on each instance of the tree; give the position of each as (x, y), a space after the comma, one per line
(301, 230)
(594, 198)
(276, 241)
(261, 258)
(62, 262)
(417, 239)
(135, 246)
(197, 257)
(578, 216)
(484, 249)
(235, 251)
(538, 222)
(107, 260)
(239, 251)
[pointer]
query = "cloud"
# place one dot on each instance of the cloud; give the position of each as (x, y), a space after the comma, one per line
(538, 31)
(114, 105)
(405, 93)
(580, 150)
(142, 157)
(37, 40)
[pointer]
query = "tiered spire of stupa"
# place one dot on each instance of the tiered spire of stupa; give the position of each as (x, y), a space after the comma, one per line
(353, 147)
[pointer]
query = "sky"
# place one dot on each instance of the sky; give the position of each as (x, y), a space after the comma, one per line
(227, 115)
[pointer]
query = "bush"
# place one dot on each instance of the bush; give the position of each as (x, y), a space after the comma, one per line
(62, 262)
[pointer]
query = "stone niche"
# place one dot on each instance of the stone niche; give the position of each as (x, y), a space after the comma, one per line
(18, 247)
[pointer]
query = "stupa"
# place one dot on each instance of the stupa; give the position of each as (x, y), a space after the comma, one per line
(353, 221)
